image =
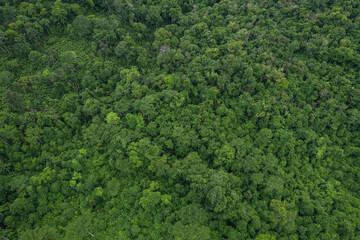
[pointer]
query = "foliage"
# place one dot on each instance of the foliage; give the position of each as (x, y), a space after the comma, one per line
(179, 119)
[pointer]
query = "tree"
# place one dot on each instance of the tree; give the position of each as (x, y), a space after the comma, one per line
(35, 57)
(82, 27)
(125, 48)
(3, 42)
(153, 16)
(58, 13)
(162, 38)
(43, 233)
(112, 118)
(79, 227)
(6, 79)
(21, 47)
(225, 155)
(190, 232)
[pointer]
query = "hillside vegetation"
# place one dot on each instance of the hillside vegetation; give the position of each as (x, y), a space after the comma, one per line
(177, 119)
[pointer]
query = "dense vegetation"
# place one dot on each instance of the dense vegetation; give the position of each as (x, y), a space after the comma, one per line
(173, 119)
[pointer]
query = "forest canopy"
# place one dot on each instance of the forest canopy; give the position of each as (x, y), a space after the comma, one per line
(176, 119)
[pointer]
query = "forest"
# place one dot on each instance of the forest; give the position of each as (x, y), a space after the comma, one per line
(179, 119)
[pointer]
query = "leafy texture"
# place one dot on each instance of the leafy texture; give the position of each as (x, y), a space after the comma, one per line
(179, 119)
